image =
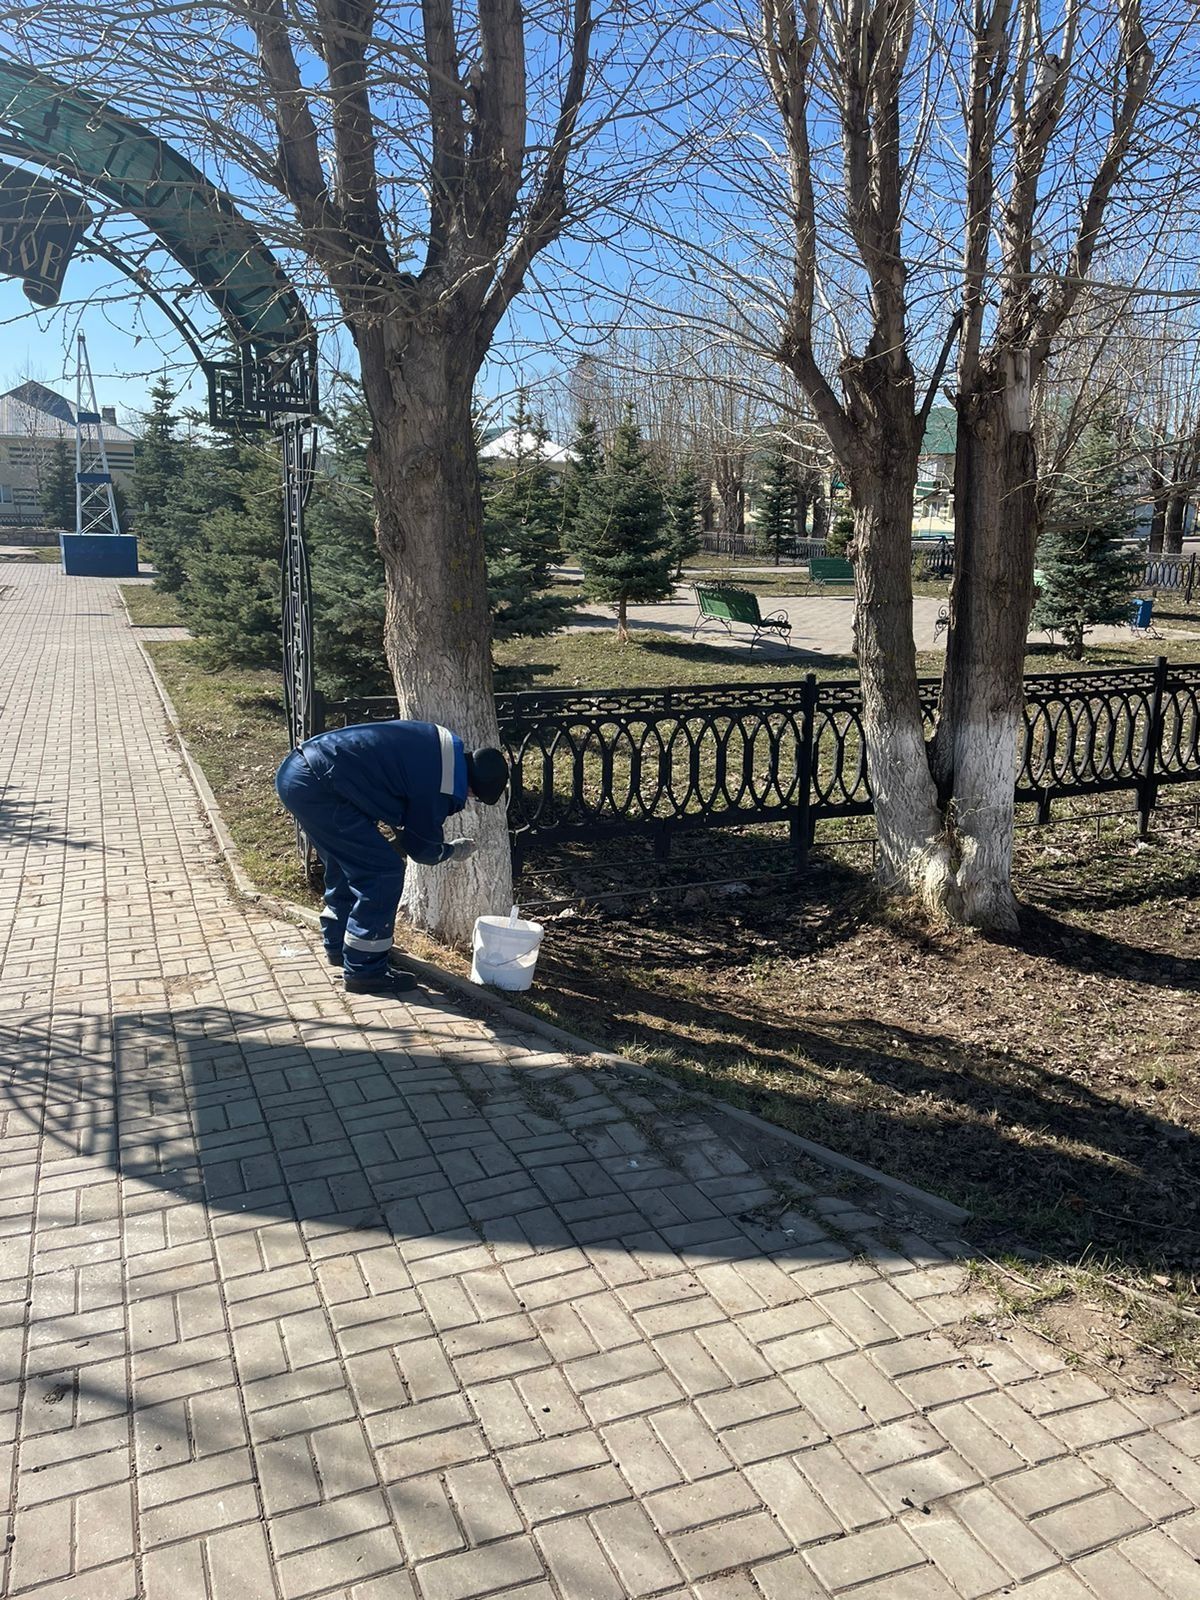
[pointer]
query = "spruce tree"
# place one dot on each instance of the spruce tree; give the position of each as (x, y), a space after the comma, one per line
(522, 497)
(57, 494)
(776, 525)
(522, 503)
(121, 507)
(348, 588)
(683, 516)
(349, 597)
(208, 480)
(620, 528)
(1086, 568)
(158, 463)
(231, 593)
(586, 463)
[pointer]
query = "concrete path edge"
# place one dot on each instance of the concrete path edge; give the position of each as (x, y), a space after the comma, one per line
(516, 1017)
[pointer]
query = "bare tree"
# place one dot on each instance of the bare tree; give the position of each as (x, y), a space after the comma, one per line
(1132, 366)
(871, 409)
(1012, 312)
(419, 161)
(698, 395)
(1167, 434)
(1057, 109)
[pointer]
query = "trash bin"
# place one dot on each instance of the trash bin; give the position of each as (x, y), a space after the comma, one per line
(1140, 613)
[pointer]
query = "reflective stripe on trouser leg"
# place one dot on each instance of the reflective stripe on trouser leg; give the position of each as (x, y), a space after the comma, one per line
(369, 929)
(339, 902)
(354, 942)
(356, 856)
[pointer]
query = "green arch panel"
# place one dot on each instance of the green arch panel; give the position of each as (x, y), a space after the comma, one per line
(79, 136)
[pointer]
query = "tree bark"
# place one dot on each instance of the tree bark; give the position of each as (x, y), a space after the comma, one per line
(991, 596)
(731, 492)
(820, 512)
(914, 856)
(800, 508)
(622, 620)
(708, 511)
(1175, 522)
(1158, 522)
(438, 629)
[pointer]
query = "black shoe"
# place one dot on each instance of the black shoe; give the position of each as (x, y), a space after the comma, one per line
(392, 982)
(335, 958)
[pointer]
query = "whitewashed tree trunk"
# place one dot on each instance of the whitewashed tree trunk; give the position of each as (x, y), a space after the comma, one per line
(913, 855)
(975, 753)
(438, 630)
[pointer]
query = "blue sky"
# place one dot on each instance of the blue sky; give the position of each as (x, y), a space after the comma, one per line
(131, 342)
(128, 345)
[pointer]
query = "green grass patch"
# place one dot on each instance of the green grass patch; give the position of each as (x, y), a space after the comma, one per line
(233, 719)
(47, 554)
(232, 722)
(148, 607)
(592, 659)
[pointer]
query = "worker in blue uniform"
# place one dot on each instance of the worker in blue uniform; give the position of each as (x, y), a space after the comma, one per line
(339, 786)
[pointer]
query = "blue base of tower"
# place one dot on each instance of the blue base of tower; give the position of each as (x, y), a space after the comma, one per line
(99, 555)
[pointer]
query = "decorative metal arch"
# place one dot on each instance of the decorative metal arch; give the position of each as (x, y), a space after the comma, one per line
(272, 382)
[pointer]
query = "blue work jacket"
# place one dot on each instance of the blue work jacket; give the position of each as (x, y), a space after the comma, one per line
(411, 775)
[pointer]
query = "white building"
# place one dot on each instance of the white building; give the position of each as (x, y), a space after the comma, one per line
(32, 420)
(507, 446)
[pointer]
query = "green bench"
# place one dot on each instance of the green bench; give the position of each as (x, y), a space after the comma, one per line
(724, 604)
(830, 569)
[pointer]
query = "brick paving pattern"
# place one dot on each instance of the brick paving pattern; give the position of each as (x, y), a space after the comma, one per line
(384, 1303)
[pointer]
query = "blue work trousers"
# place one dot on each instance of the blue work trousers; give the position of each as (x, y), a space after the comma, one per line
(364, 876)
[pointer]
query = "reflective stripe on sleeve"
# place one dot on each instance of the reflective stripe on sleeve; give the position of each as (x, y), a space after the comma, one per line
(446, 740)
(355, 942)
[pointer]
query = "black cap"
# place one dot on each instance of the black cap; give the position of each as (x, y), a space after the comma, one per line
(487, 775)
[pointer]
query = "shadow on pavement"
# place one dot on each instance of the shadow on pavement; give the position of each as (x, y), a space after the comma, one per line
(441, 1146)
(23, 821)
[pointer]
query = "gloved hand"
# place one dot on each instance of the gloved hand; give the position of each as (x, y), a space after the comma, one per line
(461, 849)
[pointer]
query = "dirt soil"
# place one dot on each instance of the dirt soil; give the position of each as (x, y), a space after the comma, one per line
(1049, 1083)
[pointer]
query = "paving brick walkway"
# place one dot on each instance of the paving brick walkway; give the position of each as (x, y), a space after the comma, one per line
(298, 1300)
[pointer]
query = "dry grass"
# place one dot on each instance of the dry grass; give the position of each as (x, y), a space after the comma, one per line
(148, 607)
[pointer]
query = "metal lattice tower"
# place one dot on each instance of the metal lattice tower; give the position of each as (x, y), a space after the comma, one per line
(95, 504)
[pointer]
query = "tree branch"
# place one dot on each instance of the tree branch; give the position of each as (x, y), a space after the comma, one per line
(447, 128)
(789, 51)
(989, 59)
(346, 27)
(1137, 62)
(1036, 117)
(298, 159)
(938, 372)
(498, 142)
(547, 210)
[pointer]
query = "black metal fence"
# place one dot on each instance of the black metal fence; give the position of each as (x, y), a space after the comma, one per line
(598, 764)
(934, 556)
(748, 546)
(1178, 573)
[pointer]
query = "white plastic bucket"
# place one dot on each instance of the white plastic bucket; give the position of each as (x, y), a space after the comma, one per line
(505, 951)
